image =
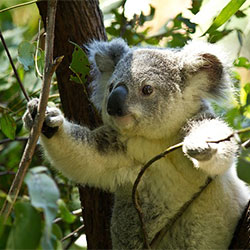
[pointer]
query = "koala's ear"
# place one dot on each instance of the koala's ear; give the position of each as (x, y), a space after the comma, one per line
(105, 55)
(211, 62)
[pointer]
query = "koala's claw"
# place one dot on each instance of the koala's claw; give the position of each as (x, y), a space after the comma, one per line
(199, 151)
(53, 118)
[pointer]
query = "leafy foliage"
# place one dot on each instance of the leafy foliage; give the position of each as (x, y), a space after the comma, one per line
(46, 195)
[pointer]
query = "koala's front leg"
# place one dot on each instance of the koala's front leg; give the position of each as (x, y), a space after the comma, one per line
(95, 157)
(201, 146)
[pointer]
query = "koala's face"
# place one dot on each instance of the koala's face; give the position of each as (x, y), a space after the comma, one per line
(152, 92)
(139, 93)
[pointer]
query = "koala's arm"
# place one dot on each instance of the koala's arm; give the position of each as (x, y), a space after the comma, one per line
(201, 147)
(96, 158)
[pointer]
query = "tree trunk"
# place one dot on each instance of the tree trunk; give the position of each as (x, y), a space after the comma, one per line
(81, 22)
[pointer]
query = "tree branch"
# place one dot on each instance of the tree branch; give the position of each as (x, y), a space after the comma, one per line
(49, 69)
(135, 195)
(13, 66)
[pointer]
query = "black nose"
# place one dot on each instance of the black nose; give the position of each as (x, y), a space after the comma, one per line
(116, 101)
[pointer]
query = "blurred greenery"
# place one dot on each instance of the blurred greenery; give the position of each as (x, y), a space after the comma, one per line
(20, 29)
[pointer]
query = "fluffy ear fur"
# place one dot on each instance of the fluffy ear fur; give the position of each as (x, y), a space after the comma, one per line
(103, 57)
(210, 63)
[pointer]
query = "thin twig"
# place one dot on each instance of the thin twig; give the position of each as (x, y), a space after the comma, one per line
(13, 66)
(7, 140)
(79, 229)
(37, 49)
(17, 6)
(135, 195)
(49, 69)
(7, 173)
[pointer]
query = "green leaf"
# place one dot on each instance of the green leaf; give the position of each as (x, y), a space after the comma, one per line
(80, 65)
(4, 231)
(242, 62)
(240, 14)
(26, 231)
(8, 126)
(57, 231)
(44, 194)
(25, 56)
(216, 35)
(196, 5)
(65, 213)
(230, 9)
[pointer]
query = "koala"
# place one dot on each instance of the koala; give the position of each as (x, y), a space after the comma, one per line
(150, 99)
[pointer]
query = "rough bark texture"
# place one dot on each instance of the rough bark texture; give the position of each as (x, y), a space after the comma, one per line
(81, 22)
(241, 239)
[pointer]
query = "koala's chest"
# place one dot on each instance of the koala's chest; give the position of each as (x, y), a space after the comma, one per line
(170, 177)
(142, 150)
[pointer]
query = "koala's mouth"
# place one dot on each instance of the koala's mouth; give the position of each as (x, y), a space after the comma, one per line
(125, 121)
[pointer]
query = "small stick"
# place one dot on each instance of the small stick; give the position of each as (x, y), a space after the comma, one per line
(13, 66)
(49, 69)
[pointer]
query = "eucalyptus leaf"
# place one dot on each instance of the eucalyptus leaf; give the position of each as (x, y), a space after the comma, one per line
(228, 11)
(65, 213)
(8, 126)
(242, 62)
(25, 56)
(44, 195)
(80, 65)
(26, 231)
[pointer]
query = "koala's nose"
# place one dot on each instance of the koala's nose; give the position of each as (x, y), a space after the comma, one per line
(116, 101)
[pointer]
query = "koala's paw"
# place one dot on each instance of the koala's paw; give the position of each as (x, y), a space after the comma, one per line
(198, 149)
(30, 114)
(53, 118)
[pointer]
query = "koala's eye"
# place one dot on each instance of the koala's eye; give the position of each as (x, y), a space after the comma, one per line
(147, 90)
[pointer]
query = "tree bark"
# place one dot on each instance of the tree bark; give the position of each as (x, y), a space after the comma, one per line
(81, 22)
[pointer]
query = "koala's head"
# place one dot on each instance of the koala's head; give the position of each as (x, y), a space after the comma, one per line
(150, 91)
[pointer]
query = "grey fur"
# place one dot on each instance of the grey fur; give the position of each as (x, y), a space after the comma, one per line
(110, 157)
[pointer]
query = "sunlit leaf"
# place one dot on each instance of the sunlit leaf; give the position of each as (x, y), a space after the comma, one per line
(26, 231)
(26, 52)
(8, 126)
(230, 9)
(80, 65)
(242, 62)
(65, 213)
